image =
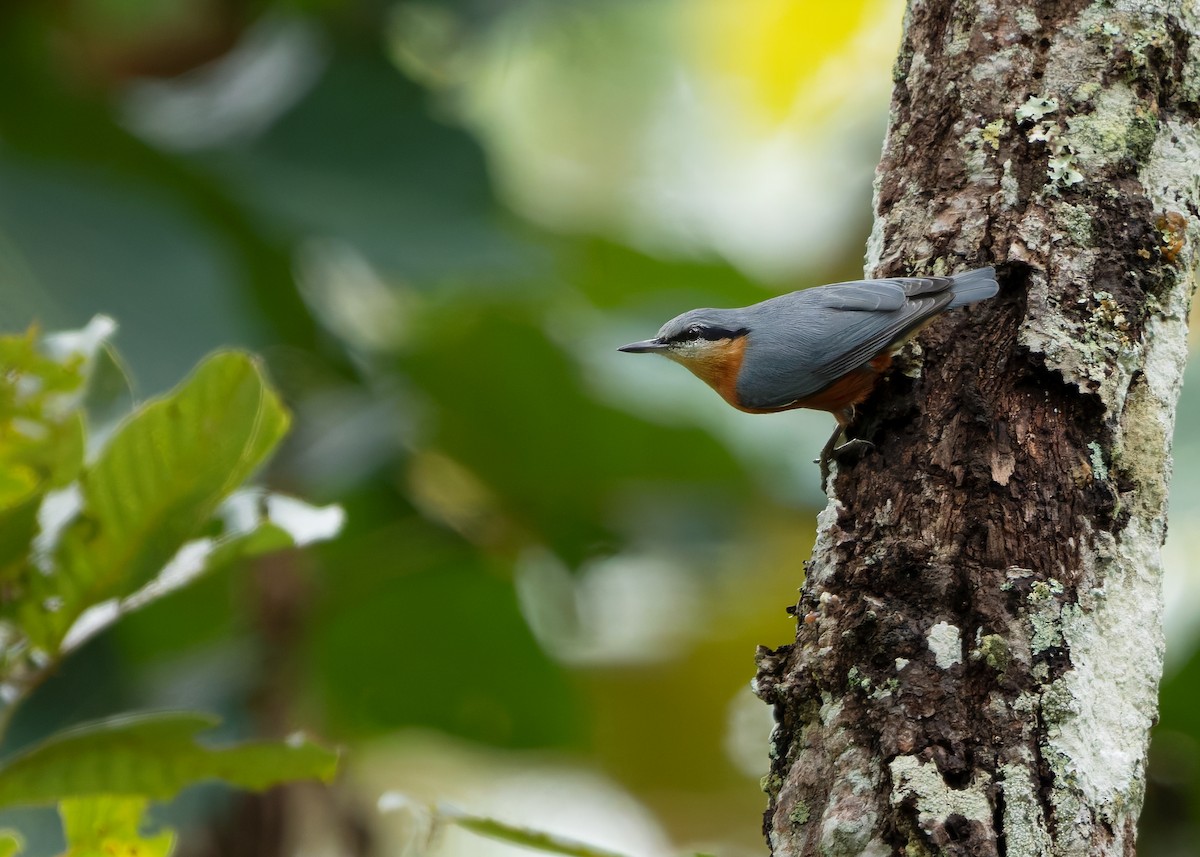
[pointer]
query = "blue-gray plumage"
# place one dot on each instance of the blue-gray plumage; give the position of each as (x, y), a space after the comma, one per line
(818, 348)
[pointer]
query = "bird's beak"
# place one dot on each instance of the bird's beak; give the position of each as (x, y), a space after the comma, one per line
(644, 346)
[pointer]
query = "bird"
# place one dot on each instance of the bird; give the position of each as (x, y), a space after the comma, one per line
(822, 348)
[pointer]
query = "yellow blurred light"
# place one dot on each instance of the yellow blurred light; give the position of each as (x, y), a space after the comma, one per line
(734, 126)
(773, 50)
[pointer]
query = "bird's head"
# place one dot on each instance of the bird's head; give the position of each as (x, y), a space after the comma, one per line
(709, 342)
(693, 335)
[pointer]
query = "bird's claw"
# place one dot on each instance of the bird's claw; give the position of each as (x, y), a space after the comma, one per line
(851, 450)
(851, 446)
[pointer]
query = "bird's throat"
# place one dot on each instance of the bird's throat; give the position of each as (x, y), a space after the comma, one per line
(717, 365)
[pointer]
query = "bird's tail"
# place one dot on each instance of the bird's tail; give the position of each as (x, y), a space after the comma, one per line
(973, 286)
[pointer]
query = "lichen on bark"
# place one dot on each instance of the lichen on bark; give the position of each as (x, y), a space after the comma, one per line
(976, 667)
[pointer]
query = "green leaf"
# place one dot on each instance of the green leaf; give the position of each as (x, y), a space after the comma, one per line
(154, 487)
(255, 522)
(107, 826)
(152, 756)
(525, 836)
(41, 432)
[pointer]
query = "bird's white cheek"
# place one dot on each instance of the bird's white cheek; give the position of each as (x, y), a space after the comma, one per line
(684, 352)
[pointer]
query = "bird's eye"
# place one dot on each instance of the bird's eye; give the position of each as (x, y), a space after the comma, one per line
(693, 332)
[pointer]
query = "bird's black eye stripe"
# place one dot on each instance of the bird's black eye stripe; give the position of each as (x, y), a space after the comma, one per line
(706, 331)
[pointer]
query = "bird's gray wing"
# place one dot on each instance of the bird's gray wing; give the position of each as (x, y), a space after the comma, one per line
(864, 295)
(809, 339)
(871, 334)
(872, 295)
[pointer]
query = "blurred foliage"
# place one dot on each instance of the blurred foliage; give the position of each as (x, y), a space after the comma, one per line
(87, 540)
(435, 221)
(107, 826)
(439, 355)
(151, 755)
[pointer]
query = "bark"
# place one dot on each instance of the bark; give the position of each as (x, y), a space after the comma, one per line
(976, 663)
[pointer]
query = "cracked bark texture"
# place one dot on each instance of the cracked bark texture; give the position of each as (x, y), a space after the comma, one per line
(977, 658)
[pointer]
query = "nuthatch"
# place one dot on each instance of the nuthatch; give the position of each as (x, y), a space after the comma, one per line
(821, 348)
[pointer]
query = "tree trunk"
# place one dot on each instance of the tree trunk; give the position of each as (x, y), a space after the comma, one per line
(979, 646)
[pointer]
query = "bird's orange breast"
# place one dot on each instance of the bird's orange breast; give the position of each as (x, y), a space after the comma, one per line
(719, 366)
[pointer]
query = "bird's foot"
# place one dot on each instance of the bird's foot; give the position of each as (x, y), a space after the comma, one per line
(849, 451)
(853, 448)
